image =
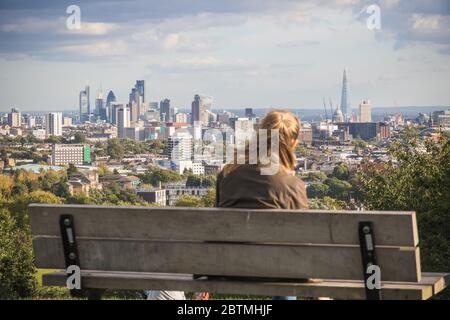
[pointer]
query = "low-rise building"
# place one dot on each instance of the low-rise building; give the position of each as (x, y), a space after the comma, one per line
(83, 181)
(77, 154)
(175, 191)
(125, 182)
(156, 196)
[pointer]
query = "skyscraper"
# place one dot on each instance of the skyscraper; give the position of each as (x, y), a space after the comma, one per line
(344, 97)
(200, 104)
(123, 121)
(100, 107)
(114, 108)
(140, 87)
(110, 99)
(165, 111)
(136, 102)
(365, 111)
(14, 118)
(53, 124)
(85, 107)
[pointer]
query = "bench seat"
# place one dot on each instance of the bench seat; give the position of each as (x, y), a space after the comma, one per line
(429, 285)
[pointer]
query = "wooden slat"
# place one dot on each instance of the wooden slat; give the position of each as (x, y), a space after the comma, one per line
(439, 280)
(184, 282)
(232, 259)
(240, 225)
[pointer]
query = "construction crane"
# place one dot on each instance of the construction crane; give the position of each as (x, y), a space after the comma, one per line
(325, 107)
(331, 109)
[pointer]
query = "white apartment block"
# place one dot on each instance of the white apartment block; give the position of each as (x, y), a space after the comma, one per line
(180, 146)
(53, 124)
(64, 154)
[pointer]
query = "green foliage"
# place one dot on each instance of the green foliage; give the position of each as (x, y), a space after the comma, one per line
(302, 150)
(103, 170)
(54, 139)
(16, 260)
(79, 137)
(115, 149)
(209, 199)
(316, 177)
(135, 147)
(317, 190)
(154, 175)
(359, 144)
(201, 181)
(206, 201)
(19, 206)
(419, 180)
(338, 189)
(328, 203)
(341, 172)
(188, 201)
(71, 169)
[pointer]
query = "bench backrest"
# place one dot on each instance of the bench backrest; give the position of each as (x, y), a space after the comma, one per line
(229, 242)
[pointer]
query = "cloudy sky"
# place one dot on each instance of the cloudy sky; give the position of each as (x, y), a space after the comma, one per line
(259, 53)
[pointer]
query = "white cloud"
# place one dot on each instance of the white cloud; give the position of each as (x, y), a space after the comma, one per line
(426, 23)
(97, 49)
(171, 41)
(56, 26)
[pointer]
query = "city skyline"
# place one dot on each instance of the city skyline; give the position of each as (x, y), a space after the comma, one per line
(270, 54)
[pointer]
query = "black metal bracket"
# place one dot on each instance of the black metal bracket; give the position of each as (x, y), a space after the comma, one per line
(66, 224)
(368, 255)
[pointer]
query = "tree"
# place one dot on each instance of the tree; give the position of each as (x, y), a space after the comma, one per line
(71, 169)
(327, 203)
(193, 181)
(303, 150)
(317, 190)
(209, 181)
(316, 176)
(338, 189)
(209, 199)
(359, 144)
(19, 206)
(154, 175)
(188, 201)
(54, 139)
(103, 170)
(79, 137)
(341, 172)
(419, 180)
(16, 260)
(115, 149)
(6, 185)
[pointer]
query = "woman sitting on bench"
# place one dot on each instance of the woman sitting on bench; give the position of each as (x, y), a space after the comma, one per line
(258, 186)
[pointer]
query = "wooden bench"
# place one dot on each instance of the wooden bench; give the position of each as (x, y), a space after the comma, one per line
(258, 252)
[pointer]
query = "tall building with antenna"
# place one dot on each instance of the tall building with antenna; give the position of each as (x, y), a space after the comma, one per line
(344, 96)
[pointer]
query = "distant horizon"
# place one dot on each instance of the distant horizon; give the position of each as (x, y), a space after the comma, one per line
(320, 109)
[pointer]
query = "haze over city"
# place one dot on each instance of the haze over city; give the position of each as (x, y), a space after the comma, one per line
(269, 53)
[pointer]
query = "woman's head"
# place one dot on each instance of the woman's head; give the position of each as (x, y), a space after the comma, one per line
(288, 127)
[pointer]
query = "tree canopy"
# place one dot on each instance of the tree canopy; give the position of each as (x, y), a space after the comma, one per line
(418, 180)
